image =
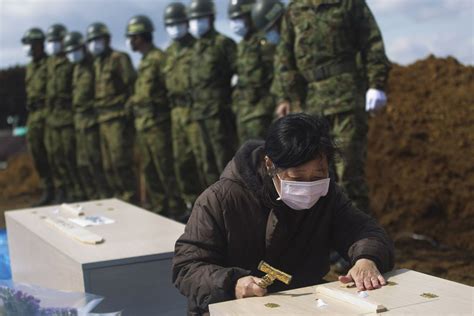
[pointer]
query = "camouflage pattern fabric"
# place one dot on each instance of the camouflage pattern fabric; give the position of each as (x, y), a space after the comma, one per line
(114, 79)
(35, 83)
(62, 143)
(213, 64)
(153, 124)
(252, 102)
(324, 46)
(189, 170)
(89, 159)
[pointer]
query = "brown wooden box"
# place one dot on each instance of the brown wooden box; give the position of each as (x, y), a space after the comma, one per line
(131, 269)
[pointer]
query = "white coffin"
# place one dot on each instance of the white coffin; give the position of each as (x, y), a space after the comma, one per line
(131, 269)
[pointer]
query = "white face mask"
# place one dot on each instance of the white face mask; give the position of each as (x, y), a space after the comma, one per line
(177, 31)
(199, 27)
(53, 48)
(128, 43)
(300, 195)
(76, 56)
(238, 27)
(96, 46)
(28, 50)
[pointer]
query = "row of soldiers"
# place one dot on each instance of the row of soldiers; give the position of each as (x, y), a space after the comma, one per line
(87, 105)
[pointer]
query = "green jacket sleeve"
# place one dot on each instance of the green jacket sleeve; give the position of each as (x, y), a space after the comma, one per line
(286, 78)
(371, 45)
(128, 73)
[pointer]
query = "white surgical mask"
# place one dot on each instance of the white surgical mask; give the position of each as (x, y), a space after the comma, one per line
(177, 31)
(273, 36)
(300, 195)
(128, 43)
(238, 27)
(76, 56)
(96, 46)
(199, 27)
(28, 50)
(53, 48)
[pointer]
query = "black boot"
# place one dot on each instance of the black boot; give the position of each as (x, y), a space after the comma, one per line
(46, 198)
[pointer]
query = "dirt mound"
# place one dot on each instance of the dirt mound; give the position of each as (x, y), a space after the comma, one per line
(421, 152)
(19, 177)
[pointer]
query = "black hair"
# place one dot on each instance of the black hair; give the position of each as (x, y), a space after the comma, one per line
(298, 138)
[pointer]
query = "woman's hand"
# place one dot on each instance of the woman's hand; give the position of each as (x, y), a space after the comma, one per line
(248, 286)
(365, 275)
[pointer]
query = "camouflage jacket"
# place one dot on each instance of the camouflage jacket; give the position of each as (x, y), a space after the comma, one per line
(320, 39)
(83, 94)
(212, 67)
(35, 84)
(114, 79)
(149, 102)
(59, 91)
(255, 74)
(177, 71)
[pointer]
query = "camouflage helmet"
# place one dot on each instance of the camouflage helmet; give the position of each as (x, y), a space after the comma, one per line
(139, 24)
(56, 32)
(266, 12)
(73, 41)
(175, 13)
(201, 8)
(239, 7)
(96, 30)
(33, 34)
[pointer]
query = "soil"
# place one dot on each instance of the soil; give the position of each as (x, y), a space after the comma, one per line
(420, 169)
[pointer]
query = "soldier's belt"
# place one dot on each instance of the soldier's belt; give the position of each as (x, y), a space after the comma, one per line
(252, 93)
(208, 95)
(35, 106)
(139, 110)
(324, 72)
(182, 100)
(111, 108)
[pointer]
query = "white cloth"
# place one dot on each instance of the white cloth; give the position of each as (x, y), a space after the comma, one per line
(375, 99)
(54, 48)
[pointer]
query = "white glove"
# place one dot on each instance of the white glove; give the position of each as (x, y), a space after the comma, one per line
(375, 99)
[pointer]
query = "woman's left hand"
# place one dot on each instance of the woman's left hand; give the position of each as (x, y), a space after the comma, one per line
(365, 275)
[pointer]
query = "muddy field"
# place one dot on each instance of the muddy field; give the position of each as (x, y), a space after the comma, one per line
(420, 169)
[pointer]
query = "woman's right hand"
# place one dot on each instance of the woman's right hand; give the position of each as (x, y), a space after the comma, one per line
(248, 286)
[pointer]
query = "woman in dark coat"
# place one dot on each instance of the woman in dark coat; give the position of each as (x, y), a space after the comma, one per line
(275, 202)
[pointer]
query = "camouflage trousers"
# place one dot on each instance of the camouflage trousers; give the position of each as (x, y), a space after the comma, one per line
(116, 144)
(61, 144)
(341, 101)
(186, 147)
(157, 166)
(36, 138)
(349, 130)
(217, 142)
(255, 128)
(89, 163)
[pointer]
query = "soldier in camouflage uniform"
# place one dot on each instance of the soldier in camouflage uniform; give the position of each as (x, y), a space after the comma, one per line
(319, 44)
(61, 131)
(114, 80)
(252, 102)
(152, 114)
(212, 67)
(190, 176)
(35, 82)
(89, 160)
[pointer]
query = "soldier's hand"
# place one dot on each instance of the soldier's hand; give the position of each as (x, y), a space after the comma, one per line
(248, 286)
(283, 109)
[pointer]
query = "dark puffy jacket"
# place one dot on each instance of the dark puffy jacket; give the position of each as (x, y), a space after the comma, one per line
(235, 224)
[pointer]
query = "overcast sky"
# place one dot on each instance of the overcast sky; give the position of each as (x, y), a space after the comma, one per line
(412, 29)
